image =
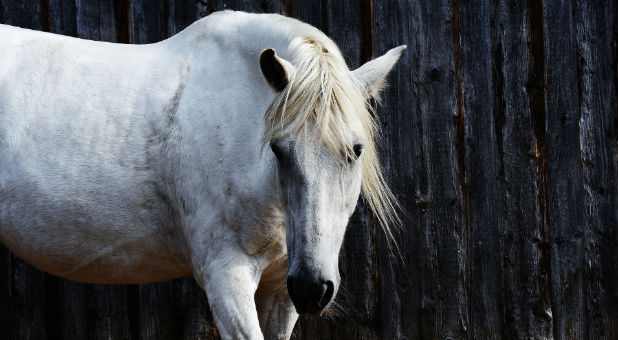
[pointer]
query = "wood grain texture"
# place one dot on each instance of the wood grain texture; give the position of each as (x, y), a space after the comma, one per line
(400, 115)
(264, 6)
(597, 103)
(26, 14)
(564, 172)
(518, 101)
(482, 182)
(443, 227)
(500, 130)
(62, 17)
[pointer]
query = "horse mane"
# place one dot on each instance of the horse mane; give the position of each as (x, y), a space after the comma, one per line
(324, 94)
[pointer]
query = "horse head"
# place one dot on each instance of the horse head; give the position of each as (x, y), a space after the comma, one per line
(322, 134)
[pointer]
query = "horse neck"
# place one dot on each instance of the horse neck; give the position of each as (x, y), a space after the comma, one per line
(225, 99)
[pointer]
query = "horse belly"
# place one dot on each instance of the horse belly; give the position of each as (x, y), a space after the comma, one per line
(82, 216)
(74, 240)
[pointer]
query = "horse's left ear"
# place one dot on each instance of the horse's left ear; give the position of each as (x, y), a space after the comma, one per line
(372, 74)
(277, 71)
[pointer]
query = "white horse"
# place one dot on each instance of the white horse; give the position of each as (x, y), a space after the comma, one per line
(142, 163)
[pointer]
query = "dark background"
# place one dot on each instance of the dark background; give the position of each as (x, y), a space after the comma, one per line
(499, 137)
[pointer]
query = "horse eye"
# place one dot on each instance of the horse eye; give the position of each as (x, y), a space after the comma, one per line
(358, 149)
(277, 150)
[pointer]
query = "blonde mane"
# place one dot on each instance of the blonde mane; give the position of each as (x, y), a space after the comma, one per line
(324, 94)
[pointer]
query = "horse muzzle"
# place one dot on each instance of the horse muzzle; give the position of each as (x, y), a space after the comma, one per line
(310, 294)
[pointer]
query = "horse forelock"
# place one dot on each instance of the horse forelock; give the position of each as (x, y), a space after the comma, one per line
(324, 96)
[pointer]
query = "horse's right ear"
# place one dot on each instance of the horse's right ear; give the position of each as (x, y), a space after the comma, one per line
(277, 71)
(372, 74)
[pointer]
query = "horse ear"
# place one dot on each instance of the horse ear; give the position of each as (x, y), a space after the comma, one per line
(372, 74)
(277, 71)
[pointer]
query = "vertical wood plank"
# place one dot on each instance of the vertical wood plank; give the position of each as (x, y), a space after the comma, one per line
(343, 20)
(518, 78)
(481, 168)
(95, 19)
(597, 101)
(564, 171)
(312, 12)
(109, 312)
(443, 248)
(26, 14)
(159, 315)
(252, 6)
(403, 156)
(444, 295)
(68, 308)
(148, 21)
(28, 302)
(437, 191)
(62, 17)
(197, 321)
(5, 292)
(182, 13)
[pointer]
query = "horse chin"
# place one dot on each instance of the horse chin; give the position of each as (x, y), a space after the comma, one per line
(312, 312)
(324, 311)
(319, 313)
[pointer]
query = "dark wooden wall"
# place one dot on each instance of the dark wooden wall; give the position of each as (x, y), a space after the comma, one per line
(500, 139)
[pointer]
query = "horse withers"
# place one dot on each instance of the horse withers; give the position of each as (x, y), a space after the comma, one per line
(234, 151)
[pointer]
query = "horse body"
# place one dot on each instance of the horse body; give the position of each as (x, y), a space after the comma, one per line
(141, 163)
(96, 121)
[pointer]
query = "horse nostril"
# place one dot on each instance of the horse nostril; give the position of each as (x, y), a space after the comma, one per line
(310, 295)
(328, 289)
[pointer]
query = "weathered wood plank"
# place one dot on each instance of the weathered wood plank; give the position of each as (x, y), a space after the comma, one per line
(403, 156)
(343, 19)
(62, 17)
(67, 306)
(95, 19)
(197, 321)
(182, 13)
(109, 312)
(311, 12)
(27, 296)
(426, 102)
(597, 103)
(254, 6)
(148, 21)
(564, 172)
(518, 78)
(443, 249)
(26, 14)
(481, 172)
(6, 311)
(159, 314)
